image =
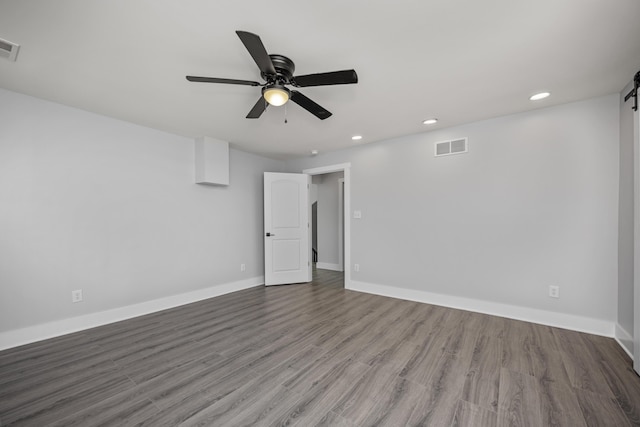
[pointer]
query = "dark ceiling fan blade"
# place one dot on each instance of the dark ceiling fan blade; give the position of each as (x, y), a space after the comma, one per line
(343, 77)
(309, 105)
(258, 109)
(259, 54)
(217, 80)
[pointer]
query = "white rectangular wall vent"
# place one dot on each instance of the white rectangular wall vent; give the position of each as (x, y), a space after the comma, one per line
(8, 50)
(455, 146)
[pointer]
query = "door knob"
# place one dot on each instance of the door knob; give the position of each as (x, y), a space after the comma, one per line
(269, 234)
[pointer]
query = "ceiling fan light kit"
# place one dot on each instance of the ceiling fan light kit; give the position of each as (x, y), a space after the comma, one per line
(277, 71)
(276, 94)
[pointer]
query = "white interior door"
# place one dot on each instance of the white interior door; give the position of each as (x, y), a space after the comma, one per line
(287, 239)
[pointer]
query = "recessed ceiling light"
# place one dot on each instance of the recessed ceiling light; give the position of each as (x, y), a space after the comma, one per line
(539, 96)
(356, 137)
(314, 152)
(430, 121)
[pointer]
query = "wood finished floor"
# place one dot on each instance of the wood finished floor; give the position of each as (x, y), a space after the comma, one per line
(319, 355)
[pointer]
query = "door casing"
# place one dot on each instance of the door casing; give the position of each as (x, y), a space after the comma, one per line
(346, 169)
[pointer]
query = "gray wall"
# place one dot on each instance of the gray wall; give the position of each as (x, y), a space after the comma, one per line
(625, 216)
(534, 203)
(99, 204)
(103, 205)
(328, 193)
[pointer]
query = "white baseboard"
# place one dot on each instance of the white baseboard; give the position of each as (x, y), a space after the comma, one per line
(57, 328)
(625, 339)
(543, 317)
(328, 266)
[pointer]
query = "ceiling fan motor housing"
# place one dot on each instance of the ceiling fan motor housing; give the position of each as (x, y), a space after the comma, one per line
(284, 70)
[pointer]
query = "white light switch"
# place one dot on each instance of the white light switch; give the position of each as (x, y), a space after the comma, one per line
(357, 214)
(76, 296)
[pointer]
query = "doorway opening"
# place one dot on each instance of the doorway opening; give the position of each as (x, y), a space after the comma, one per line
(329, 206)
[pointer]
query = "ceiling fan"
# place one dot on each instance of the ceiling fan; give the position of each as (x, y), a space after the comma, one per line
(277, 72)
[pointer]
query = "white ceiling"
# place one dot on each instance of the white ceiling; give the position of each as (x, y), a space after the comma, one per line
(458, 60)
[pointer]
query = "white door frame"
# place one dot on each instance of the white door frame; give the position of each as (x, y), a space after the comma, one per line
(341, 216)
(346, 168)
(636, 241)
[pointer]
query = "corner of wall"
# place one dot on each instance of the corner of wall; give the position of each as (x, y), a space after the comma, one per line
(625, 339)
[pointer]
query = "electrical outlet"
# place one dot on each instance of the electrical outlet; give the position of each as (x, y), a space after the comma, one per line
(243, 267)
(554, 291)
(76, 296)
(356, 267)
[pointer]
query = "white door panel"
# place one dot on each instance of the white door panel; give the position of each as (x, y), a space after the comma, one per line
(286, 227)
(286, 255)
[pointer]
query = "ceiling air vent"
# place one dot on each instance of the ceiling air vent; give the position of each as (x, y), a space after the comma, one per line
(8, 50)
(455, 146)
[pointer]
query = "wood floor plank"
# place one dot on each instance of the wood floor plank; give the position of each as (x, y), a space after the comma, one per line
(191, 397)
(548, 363)
(45, 358)
(559, 404)
(283, 348)
(519, 403)
(264, 387)
(617, 369)
(318, 354)
(421, 365)
(518, 348)
(132, 403)
(48, 408)
(625, 386)
(42, 348)
(582, 366)
(110, 412)
(470, 415)
(429, 322)
(600, 410)
(482, 382)
(434, 408)
(318, 400)
(397, 404)
(524, 399)
(390, 354)
(221, 377)
(19, 382)
(358, 401)
(331, 419)
(45, 389)
(274, 405)
(495, 326)
(446, 374)
(150, 367)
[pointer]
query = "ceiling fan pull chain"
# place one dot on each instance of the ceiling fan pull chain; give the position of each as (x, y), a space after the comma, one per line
(285, 114)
